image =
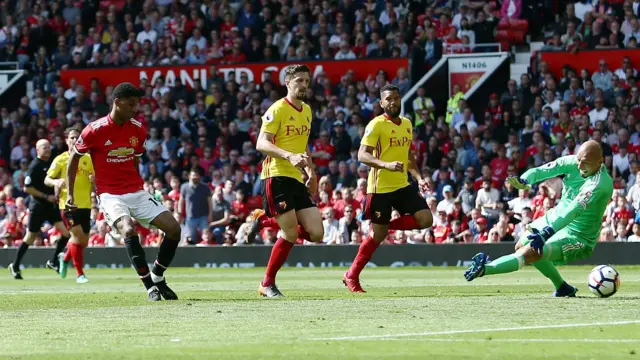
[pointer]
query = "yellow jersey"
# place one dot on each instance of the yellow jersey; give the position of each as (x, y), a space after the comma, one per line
(391, 142)
(291, 127)
(83, 186)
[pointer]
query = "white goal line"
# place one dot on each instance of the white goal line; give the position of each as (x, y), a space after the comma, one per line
(475, 331)
(523, 341)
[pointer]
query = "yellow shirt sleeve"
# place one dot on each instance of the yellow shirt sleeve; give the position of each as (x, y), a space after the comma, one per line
(271, 121)
(55, 169)
(371, 135)
(90, 165)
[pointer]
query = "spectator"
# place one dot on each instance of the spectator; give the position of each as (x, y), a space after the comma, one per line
(488, 200)
(147, 33)
(402, 81)
(483, 231)
(207, 239)
(195, 206)
(423, 107)
(348, 224)
(602, 78)
(446, 204)
(331, 225)
(323, 152)
(633, 32)
(341, 140)
(635, 236)
(442, 230)
(345, 52)
(599, 113)
(432, 48)
(467, 195)
(345, 178)
(221, 214)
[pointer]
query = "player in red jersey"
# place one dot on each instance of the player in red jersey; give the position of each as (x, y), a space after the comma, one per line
(115, 143)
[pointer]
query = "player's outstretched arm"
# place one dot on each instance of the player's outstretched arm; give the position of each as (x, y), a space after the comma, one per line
(560, 166)
(365, 156)
(72, 168)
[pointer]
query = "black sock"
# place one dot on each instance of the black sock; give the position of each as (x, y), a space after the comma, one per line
(60, 245)
(138, 260)
(165, 255)
(22, 249)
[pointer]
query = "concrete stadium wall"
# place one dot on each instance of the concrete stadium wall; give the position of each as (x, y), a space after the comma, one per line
(321, 256)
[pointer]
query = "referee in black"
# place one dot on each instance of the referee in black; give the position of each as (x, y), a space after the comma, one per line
(42, 207)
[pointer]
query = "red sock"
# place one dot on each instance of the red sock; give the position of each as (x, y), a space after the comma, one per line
(303, 234)
(279, 254)
(266, 221)
(367, 248)
(67, 254)
(78, 257)
(404, 222)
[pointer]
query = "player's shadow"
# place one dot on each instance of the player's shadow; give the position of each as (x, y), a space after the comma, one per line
(200, 300)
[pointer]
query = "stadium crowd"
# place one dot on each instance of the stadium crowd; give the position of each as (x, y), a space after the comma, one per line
(213, 130)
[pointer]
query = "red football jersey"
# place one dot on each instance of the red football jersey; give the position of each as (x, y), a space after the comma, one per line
(113, 149)
(319, 146)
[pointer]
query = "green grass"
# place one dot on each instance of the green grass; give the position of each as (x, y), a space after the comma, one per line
(408, 313)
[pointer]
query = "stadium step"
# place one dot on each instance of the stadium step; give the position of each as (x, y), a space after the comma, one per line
(536, 45)
(517, 70)
(523, 57)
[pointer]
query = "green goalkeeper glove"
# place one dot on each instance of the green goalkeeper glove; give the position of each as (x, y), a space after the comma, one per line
(518, 183)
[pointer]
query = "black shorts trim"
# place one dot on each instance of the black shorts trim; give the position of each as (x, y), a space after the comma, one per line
(378, 207)
(281, 194)
(39, 214)
(77, 217)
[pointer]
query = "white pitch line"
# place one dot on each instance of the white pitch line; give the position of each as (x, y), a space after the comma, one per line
(473, 331)
(453, 340)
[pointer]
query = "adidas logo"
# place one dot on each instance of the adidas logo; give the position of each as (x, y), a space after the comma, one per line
(393, 131)
(292, 118)
(107, 143)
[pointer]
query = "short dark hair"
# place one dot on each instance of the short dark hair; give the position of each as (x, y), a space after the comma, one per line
(294, 69)
(389, 87)
(126, 90)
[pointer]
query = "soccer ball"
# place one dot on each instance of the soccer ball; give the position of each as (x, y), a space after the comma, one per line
(604, 281)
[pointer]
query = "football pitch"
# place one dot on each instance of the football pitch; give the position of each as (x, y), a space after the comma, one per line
(408, 313)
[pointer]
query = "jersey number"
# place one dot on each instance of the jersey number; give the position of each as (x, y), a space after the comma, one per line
(154, 201)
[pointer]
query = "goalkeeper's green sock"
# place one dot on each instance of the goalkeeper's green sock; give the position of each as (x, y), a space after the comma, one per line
(547, 269)
(504, 264)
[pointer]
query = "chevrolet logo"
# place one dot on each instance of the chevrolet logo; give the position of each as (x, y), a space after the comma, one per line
(121, 152)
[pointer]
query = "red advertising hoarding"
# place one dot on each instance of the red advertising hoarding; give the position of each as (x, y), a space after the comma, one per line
(192, 73)
(588, 59)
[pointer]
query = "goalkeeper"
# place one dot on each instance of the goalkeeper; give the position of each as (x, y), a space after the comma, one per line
(566, 233)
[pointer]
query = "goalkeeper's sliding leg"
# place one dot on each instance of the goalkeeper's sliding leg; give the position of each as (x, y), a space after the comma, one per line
(561, 248)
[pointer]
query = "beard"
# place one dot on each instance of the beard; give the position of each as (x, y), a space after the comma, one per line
(301, 94)
(392, 112)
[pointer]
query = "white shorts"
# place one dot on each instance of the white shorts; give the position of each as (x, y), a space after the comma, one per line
(139, 205)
